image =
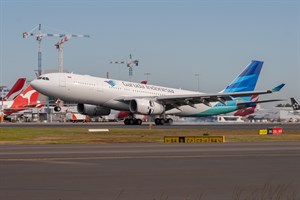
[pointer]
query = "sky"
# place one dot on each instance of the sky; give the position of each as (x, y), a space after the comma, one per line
(173, 40)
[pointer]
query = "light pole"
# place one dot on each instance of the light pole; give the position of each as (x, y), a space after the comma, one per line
(198, 79)
(147, 75)
(2, 109)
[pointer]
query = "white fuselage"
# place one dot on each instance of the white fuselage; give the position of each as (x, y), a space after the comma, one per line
(107, 92)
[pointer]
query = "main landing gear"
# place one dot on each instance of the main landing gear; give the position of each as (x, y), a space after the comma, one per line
(163, 121)
(132, 121)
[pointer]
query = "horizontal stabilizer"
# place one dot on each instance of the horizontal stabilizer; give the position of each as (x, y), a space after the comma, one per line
(252, 104)
(278, 88)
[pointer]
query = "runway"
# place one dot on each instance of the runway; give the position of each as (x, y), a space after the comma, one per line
(149, 171)
(176, 125)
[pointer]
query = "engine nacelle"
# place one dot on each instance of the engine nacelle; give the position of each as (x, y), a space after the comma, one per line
(146, 107)
(92, 110)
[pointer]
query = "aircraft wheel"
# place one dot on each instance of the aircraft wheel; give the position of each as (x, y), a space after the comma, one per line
(126, 121)
(162, 121)
(157, 121)
(169, 121)
(139, 122)
(57, 108)
(131, 121)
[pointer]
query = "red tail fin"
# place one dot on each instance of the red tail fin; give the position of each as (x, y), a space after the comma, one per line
(28, 98)
(247, 111)
(16, 89)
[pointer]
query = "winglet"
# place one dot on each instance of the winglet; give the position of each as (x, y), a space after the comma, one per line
(278, 88)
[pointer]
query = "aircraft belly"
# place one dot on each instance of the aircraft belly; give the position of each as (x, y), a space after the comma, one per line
(189, 110)
(117, 105)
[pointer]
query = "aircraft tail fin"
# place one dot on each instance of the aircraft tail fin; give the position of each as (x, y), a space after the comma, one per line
(27, 98)
(249, 110)
(295, 104)
(247, 80)
(16, 89)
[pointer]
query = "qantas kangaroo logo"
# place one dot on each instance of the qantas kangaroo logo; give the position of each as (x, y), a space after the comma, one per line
(29, 96)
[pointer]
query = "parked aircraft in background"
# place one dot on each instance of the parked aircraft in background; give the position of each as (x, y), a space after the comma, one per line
(97, 96)
(27, 99)
(123, 115)
(295, 106)
(247, 111)
(14, 91)
(3, 91)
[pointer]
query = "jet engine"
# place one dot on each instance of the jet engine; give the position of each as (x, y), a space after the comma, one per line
(146, 107)
(92, 110)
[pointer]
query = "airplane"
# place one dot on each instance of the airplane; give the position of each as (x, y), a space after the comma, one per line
(97, 96)
(3, 91)
(249, 110)
(27, 99)
(295, 106)
(14, 91)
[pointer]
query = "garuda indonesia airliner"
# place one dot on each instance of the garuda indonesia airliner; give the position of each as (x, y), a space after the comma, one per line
(97, 96)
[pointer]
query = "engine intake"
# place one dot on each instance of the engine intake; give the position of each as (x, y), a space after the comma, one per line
(146, 107)
(92, 110)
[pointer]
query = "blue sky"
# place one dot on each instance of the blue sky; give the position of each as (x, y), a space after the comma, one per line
(173, 40)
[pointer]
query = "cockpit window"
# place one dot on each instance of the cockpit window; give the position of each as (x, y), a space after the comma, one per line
(43, 78)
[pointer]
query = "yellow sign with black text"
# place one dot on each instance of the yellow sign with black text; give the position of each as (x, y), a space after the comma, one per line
(193, 139)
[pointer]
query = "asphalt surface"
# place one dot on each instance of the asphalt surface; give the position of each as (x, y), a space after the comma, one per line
(150, 171)
(176, 125)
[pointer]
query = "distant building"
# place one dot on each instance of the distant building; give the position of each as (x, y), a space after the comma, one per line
(276, 114)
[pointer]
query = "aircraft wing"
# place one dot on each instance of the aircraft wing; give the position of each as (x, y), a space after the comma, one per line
(179, 100)
(190, 99)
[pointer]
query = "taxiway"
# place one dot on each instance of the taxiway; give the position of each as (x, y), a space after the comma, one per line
(149, 171)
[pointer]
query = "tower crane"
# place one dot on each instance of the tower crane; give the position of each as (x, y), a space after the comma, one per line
(130, 63)
(39, 37)
(59, 46)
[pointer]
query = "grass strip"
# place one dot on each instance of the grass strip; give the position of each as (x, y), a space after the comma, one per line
(117, 135)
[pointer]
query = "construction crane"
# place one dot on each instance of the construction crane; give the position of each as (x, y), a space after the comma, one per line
(59, 46)
(130, 63)
(39, 37)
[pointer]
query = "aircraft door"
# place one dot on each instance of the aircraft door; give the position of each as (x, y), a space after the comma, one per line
(99, 86)
(62, 81)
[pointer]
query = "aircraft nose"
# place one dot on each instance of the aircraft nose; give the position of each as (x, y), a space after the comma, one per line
(34, 84)
(37, 85)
